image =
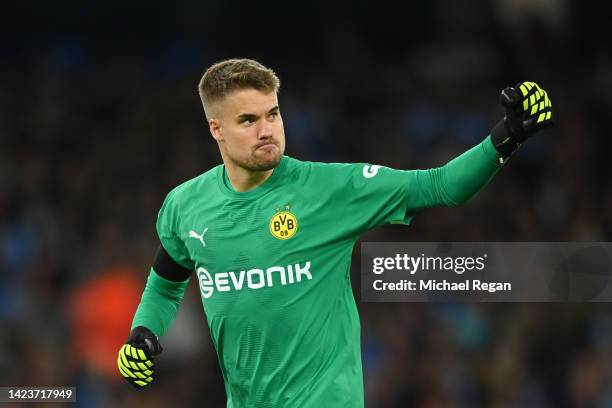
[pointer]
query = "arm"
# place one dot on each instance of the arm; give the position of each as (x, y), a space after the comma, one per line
(527, 110)
(456, 181)
(158, 306)
(162, 295)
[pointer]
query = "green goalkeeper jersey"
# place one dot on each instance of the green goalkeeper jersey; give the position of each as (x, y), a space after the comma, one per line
(273, 268)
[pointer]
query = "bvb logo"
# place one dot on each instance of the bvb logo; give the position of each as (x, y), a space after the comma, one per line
(283, 224)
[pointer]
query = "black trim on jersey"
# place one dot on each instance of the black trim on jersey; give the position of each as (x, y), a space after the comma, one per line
(167, 268)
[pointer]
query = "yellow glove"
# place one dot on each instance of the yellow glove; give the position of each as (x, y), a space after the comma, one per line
(527, 110)
(135, 360)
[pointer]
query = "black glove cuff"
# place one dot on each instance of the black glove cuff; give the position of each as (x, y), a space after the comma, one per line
(145, 339)
(502, 139)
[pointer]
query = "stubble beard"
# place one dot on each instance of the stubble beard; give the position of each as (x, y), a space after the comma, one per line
(261, 160)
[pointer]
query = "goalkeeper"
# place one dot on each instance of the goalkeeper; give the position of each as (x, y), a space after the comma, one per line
(269, 239)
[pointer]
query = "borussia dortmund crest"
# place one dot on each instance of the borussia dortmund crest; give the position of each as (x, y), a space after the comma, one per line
(283, 224)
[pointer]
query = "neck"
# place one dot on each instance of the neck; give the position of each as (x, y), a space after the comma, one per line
(244, 180)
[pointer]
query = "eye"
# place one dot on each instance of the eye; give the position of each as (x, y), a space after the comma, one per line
(273, 115)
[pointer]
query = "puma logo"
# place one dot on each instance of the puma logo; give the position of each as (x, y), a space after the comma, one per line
(193, 234)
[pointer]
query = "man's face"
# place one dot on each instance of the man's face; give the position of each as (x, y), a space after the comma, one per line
(249, 128)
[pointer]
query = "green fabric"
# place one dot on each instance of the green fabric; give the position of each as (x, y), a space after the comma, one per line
(159, 303)
(456, 181)
(281, 312)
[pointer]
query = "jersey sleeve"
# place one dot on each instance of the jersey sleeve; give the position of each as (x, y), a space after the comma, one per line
(168, 223)
(368, 195)
(376, 195)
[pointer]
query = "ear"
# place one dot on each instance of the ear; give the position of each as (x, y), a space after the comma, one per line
(215, 129)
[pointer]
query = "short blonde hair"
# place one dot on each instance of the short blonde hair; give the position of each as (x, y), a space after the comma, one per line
(233, 74)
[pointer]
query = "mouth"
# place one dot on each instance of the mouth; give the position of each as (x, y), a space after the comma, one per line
(266, 146)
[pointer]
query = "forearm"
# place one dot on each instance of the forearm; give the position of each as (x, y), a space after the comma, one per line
(157, 310)
(159, 303)
(456, 181)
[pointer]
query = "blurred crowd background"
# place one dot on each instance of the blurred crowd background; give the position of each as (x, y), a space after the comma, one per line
(100, 118)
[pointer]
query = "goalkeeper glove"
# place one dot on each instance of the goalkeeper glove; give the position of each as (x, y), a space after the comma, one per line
(527, 110)
(135, 359)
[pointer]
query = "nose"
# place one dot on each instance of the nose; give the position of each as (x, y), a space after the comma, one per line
(265, 130)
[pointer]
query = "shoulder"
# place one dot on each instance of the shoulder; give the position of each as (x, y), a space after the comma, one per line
(326, 170)
(202, 184)
(350, 176)
(320, 167)
(331, 177)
